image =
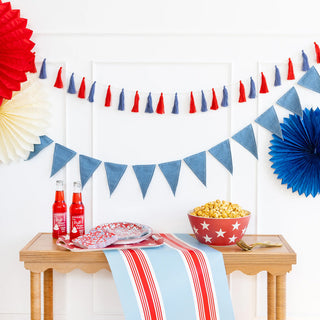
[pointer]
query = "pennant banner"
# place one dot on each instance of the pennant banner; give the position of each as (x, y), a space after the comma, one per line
(197, 164)
(87, 167)
(144, 174)
(270, 121)
(246, 138)
(311, 80)
(171, 171)
(44, 142)
(114, 173)
(222, 152)
(61, 157)
(291, 102)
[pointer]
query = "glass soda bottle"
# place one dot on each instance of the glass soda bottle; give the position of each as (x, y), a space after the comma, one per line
(77, 226)
(59, 212)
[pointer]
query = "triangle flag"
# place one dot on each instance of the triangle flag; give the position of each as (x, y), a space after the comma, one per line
(197, 164)
(61, 157)
(246, 138)
(87, 167)
(290, 101)
(171, 171)
(114, 173)
(311, 80)
(269, 120)
(44, 142)
(222, 152)
(144, 174)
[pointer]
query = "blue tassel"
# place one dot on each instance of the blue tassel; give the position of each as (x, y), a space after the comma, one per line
(149, 108)
(204, 107)
(252, 93)
(277, 78)
(305, 62)
(43, 71)
(72, 87)
(92, 91)
(224, 102)
(175, 108)
(121, 101)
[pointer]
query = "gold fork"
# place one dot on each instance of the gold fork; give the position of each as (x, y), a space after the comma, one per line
(246, 247)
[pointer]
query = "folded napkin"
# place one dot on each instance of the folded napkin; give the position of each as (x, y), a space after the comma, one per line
(182, 279)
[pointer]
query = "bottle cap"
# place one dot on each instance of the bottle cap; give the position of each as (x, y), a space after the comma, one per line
(59, 184)
(77, 186)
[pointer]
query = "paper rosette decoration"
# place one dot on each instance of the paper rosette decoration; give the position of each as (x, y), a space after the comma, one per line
(22, 120)
(16, 58)
(296, 158)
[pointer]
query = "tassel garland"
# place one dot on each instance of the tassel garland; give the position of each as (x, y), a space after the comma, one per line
(72, 87)
(192, 104)
(160, 106)
(277, 77)
(224, 102)
(121, 101)
(214, 103)
(59, 84)
(107, 102)
(252, 93)
(82, 89)
(135, 107)
(290, 71)
(242, 93)
(264, 86)
(175, 109)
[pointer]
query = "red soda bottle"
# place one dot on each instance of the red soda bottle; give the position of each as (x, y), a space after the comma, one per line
(59, 212)
(76, 212)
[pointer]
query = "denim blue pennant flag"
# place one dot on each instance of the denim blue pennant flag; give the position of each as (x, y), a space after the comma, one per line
(88, 166)
(149, 108)
(246, 138)
(121, 101)
(222, 152)
(311, 80)
(171, 171)
(114, 173)
(92, 91)
(61, 156)
(175, 109)
(253, 92)
(204, 106)
(43, 70)
(198, 165)
(269, 120)
(224, 102)
(72, 86)
(277, 77)
(305, 62)
(44, 142)
(144, 174)
(290, 101)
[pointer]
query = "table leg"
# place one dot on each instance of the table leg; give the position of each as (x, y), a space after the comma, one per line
(271, 297)
(48, 294)
(281, 297)
(35, 293)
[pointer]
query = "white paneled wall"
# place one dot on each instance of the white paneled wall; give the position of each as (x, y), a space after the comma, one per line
(160, 46)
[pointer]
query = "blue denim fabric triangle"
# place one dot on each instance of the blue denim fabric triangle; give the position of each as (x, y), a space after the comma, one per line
(92, 91)
(144, 174)
(198, 165)
(270, 121)
(311, 80)
(222, 152)
(224, 102)
(61, 157)
(87, 167)
(175, 109)
(277, 77)
(305, 62)
(246, 138)
(253, 92)
(114, 173)
(171, 171)
(290, 101)
(43, 70)
(44, 142)
(149, 108)
(204, 106)
(72, 86)
(121, 101)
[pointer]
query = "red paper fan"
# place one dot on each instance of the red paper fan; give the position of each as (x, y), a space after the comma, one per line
(16, 57)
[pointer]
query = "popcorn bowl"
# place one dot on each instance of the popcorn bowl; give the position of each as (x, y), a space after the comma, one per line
(219, 231)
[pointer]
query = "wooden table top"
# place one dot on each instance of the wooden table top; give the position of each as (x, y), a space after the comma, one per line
(42, 253)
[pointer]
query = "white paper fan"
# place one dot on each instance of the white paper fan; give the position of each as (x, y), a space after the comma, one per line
(22, 120)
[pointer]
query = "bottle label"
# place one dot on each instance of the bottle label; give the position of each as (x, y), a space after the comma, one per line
(77, 225)
(59, 223)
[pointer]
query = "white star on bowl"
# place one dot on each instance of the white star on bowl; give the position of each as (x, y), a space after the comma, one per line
(220, 233)
(236, 225)
(232, 239)
(207, 238)
(205, 225)
(195, 230)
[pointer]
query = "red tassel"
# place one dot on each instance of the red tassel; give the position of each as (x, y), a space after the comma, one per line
(264, 86)
(214, 103)
(82, 89)
(160, 106)
(59, 83)
(192, 104)
(290, 71)
(107, 102)
(242, 94)
(135, 107)
(317, 51)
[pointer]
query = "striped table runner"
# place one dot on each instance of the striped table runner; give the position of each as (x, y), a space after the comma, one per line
(182, 279)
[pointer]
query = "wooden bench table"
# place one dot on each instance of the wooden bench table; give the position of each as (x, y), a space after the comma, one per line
(41, 254)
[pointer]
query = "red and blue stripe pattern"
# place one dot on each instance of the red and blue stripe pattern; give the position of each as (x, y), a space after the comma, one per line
(183, 279)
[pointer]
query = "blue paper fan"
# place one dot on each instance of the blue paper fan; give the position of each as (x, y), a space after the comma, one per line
(296, 158)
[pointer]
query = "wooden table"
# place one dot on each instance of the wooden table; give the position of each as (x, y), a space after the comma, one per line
(41, 254)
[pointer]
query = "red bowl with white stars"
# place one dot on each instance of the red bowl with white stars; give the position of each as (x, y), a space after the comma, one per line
(219, 231)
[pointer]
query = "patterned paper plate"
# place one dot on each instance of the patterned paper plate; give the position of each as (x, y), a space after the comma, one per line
(127, 232)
